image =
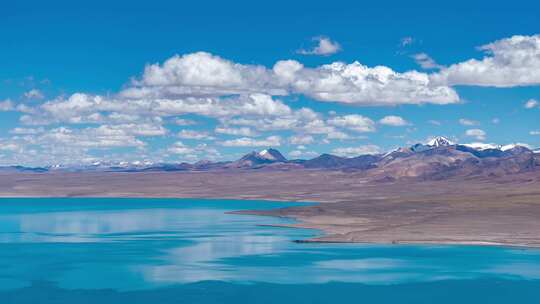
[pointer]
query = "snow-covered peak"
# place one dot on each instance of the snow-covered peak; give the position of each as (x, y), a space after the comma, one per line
(482, 146)
(265, 154)
(513, 146)
(440, 141)
(272, 155)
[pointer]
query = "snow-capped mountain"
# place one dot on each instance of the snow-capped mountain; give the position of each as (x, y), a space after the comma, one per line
(263, 157)
(514, 146)
(483, 146)
(440, 141)
(436, 159)
(272, 155)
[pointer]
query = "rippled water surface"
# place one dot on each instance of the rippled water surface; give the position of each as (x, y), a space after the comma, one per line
(191, 251)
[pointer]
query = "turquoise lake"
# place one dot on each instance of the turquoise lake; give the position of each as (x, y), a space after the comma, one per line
(191, 251)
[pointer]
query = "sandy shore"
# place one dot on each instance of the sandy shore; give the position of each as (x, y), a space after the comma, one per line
(476, 211)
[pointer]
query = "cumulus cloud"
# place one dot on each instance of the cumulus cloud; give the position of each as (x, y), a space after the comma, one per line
(406, 41)
(183, 122)
(6, 105)
(356, 151)
(303, 154)
(65, 144)
(241, 131)
(206, 75)
(301, 139)
(394, 121)
(27, 131)
(271, 141)
(476, 133)
(353, 122)
(85, 108)
(192, 153)
(339, 135)
(179, 148)
(203, 74)
(531, 104)
(325, 47)
(304, 121)
(9, 146)
(426, 62)
(536, 132)
(192, 134)
(468, 122)
(358, 84)
(101, 137)
(508, 62)
(245, 99)
(34, 94)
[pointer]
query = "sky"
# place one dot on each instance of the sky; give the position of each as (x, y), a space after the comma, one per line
(175, 81)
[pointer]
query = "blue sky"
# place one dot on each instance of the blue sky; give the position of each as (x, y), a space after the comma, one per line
(100, 81)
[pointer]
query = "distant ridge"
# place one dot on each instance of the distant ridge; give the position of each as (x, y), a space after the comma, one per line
(438, 158)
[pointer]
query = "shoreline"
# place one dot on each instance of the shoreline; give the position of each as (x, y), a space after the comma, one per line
(324, 238)
(346, 208)
(321, 239)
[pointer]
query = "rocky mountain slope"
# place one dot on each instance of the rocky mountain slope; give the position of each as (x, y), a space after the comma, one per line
(439, 158)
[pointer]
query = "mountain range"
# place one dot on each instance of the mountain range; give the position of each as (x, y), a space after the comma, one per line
(437, 159)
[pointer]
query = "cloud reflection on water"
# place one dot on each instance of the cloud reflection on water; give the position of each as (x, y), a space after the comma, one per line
(163, 246)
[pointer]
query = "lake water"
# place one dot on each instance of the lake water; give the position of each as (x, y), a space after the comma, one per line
(191, 251)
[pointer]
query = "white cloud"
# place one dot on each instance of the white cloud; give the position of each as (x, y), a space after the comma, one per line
(394, 121)
(242, 98)
(69, 145)
(205, 75)
(242, 131)
(426, 62)
(302, 121)
(303, 154)
(140, 129)
(508, 62)
(534, 133)
(301, 139)
(356, 151)
(337, 135)
(192, 134)
(84, 108)
(271, 141)
(6, 105)
(183, 122)
(358, 84)
(198, 152)
(476, 133)
(34, 94)
(102, 137)
(435, 122)
(180, 148)
(468, 122)
(325, 47)
(353, 122)
(8, 146)
(531, 104)
(202, 74)
(27, 131)
(406, 41)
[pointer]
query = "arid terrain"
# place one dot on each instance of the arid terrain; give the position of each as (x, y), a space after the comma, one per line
(502, 210)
